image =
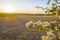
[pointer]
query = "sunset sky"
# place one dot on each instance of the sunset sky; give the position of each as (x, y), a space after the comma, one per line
(24, 6)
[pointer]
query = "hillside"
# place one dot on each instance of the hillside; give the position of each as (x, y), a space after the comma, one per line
(14, 26)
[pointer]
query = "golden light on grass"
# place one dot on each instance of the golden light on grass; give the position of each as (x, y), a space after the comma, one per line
(8, 8)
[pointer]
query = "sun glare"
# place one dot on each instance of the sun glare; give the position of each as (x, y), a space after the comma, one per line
(8, 8)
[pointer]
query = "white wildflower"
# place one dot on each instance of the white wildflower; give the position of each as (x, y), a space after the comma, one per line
(56, 28)
(45, 23)
(50, 33)
(39, 22)
(53, 22)
(33, 25)
(29, 23)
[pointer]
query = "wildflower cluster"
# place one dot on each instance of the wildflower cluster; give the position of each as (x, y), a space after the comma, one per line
(49, 27)
(53, 25)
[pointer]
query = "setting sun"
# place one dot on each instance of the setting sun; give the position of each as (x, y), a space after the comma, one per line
(8, 8)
